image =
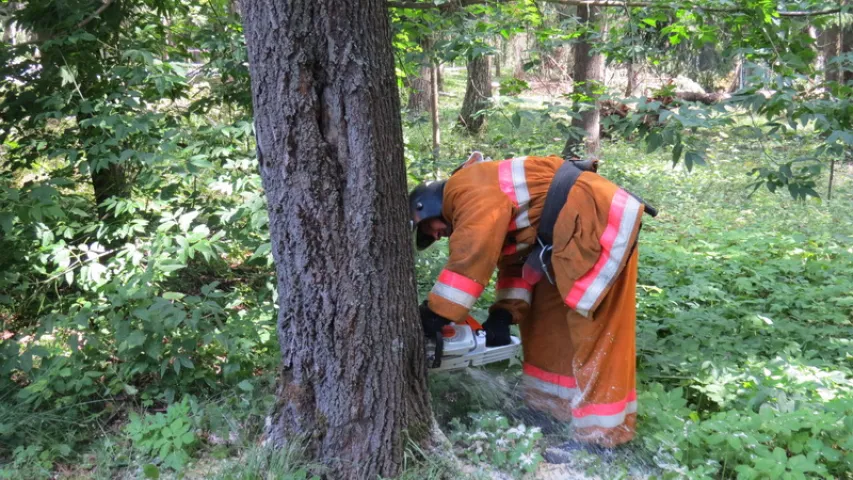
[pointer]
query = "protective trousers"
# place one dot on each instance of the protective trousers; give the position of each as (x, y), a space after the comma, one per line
(582, 369)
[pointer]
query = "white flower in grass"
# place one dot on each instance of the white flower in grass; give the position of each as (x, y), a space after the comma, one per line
(502, 442)
(526, 459)
(519, 430)
(535, 430)
(478, 435)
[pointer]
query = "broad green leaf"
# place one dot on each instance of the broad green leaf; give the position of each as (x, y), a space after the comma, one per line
(136, 338)
(653, 141)
(6, 220)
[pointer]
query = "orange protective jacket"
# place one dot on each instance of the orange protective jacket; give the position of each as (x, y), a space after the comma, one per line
(494, 208)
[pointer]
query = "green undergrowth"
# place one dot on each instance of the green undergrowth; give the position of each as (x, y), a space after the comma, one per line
(158, 360)
(744, 308)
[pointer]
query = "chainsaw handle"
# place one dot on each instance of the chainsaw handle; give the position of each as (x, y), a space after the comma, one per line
(439, 350)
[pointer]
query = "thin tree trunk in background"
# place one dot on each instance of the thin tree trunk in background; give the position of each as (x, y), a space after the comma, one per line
(825, 48)
(831, 178)
(820, 58)
(497, 58)
(330, 152)
(107, 182)
(846, 42)
(840, 76)
(517, 47)
(478, 94)
(633, 74)
(588, 77)
(10, 27)
(439, 71)
(835, 41)
(433, 110)
(738, 74)
(420, 86)
(9, 31)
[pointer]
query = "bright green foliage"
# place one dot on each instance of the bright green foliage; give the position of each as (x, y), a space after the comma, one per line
(744, 322)
(491, 439)
(165, 285)
(169, 438)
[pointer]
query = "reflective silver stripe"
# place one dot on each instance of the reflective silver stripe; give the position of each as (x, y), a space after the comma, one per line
(522, 194)
(617, 252)
(513, 294)
(564, 393)
(454, 295)
(605, 421)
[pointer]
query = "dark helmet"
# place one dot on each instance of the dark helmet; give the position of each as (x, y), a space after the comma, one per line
(424, 203)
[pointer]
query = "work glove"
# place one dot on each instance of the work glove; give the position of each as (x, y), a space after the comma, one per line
(497, 328)
(431, 321)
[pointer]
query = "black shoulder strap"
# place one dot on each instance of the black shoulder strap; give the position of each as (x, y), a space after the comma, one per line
(558, 192)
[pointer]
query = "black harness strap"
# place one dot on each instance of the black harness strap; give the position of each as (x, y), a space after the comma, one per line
(558, 193)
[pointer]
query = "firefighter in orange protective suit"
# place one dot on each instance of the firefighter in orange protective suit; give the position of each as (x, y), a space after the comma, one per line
(577, 326)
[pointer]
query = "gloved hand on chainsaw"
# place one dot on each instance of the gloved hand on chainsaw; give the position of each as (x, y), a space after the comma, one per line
(497, 328)
(431, 321)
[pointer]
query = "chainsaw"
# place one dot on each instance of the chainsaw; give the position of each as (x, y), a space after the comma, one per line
(459, 346)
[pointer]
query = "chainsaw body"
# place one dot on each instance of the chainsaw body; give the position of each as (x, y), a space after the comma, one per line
(463, 347)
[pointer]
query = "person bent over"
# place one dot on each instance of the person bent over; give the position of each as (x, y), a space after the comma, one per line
(564, 242)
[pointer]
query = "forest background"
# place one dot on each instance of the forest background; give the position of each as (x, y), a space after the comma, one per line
(138, 296)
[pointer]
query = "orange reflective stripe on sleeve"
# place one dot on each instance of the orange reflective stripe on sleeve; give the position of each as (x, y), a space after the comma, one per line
(605, 415)
(513, 182)
(514, 289)
(615, 244)
(457, 288)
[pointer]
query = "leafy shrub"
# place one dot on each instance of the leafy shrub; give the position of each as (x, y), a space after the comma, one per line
(169, 438)
(780, 440)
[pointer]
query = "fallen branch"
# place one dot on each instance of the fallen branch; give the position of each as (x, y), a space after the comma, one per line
(95, 14)
(706, 98)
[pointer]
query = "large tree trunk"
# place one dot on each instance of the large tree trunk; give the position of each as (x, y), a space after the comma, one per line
(420, 87)
(588, 78)
(478, 93)
(330, 152)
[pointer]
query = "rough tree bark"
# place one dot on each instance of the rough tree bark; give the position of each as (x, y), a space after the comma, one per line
(478, 93)
(588, 76)
(330, 153)
(420, 87)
